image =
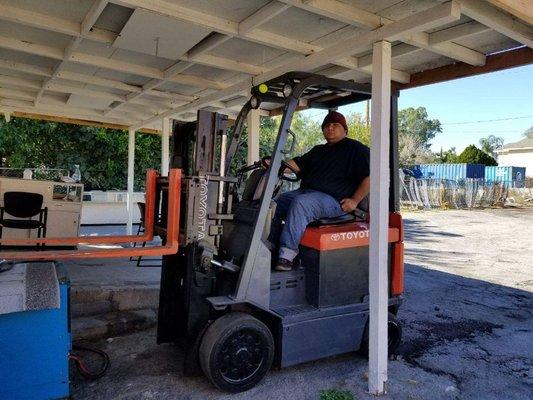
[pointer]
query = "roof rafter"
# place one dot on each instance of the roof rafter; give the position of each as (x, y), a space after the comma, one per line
(343, 12)
(91, 79)
(428, 19)
(197, 53)
(231, 29)
(142, 107)
(519, 8)
(108, 63)
(54, 24)
(85, 27)
(499, 21)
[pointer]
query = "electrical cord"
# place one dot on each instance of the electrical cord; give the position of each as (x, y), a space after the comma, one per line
(82, 368)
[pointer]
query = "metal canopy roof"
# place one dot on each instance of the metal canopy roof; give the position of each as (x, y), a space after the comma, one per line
(132, 62)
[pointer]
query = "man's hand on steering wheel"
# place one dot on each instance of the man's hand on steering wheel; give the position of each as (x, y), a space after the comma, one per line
(283, 172)
(349, 205)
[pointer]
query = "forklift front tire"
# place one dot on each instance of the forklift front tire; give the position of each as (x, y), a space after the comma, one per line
(394, 333)
(236, 352)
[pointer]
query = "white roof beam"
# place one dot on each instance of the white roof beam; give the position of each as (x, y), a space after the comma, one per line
(52, 102)
(231, 29)
(197, 53)
(54, 24)
(209, 43)
(86, 25)
(224, 63)
(339, 11)
(102, 62)
(447, 49)
(344, 12)
(457, 32)
(499, 21)
(152, 105)
(264, 14)
(91, 79)
(519, 8)
(58, 111)
(20, 82)
(80, 31)
(429, 19)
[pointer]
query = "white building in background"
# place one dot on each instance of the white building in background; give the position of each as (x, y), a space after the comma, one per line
(519, 154)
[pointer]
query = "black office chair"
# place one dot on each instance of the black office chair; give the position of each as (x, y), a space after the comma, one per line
(24, 205)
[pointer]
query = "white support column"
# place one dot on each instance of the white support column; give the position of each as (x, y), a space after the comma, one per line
(253, 136)
(165, 160)
(131, 163)
(379, 221)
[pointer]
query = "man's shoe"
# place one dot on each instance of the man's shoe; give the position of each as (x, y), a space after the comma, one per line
(283, 265)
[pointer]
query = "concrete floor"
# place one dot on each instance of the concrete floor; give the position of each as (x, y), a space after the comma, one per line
(467, 317)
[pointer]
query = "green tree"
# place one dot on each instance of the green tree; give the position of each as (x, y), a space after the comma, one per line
(529, 133)
(101, 153)
(473, 155)
(415, 122)
(491, 143)
(358, 129)
(447, 157)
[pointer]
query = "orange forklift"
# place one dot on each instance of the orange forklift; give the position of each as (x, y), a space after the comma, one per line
(220, 300)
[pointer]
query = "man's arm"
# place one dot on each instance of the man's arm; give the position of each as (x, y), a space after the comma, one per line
(349, 204)
(294, 166)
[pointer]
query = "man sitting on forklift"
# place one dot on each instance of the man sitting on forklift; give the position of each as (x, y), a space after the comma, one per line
(334, 181)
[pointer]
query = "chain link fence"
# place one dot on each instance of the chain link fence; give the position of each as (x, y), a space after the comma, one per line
(465, 193)
(42, 174)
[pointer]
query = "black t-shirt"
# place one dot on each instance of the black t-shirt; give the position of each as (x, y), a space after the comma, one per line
(336, 169)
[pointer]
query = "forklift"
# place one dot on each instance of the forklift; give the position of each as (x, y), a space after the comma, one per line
(234, 316)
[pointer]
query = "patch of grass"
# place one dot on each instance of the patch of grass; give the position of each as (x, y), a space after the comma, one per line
(335, 394)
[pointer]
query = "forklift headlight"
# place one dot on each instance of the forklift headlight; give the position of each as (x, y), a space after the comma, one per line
(287, 90)
(255, 102)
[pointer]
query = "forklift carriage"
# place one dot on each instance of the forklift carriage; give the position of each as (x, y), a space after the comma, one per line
(220, 299)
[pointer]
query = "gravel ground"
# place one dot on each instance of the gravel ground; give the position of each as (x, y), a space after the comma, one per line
(467, 321)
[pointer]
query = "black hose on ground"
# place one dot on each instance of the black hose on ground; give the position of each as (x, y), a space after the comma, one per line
(82, 368)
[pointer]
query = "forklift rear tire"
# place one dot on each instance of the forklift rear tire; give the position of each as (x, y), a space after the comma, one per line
(236, 352)
(394, 335)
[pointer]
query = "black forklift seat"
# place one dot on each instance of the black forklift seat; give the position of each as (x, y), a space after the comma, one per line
(361, 213)
(341, 219)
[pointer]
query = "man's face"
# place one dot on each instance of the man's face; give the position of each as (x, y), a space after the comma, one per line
(333, 132)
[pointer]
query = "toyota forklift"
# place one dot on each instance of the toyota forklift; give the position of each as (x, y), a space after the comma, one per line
(233, 315)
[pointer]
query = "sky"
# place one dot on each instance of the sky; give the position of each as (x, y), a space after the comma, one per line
(459, 105)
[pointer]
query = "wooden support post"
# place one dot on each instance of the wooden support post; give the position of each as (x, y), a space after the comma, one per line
(131, 164)
(253, 136)
(165, 160)
(379, 221)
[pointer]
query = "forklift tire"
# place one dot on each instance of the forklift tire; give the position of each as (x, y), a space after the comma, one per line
(394, 337)
(236, 352)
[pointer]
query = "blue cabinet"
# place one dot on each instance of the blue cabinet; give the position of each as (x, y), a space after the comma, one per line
(34, 349)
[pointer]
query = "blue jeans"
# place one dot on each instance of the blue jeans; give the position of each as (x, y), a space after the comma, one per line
(298, 208)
